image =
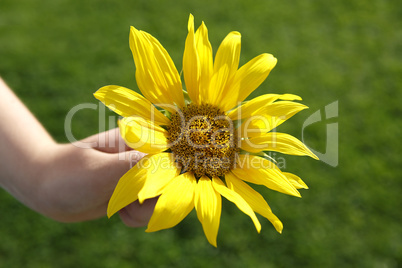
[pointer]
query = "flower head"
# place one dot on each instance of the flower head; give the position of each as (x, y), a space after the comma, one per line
(205, 142)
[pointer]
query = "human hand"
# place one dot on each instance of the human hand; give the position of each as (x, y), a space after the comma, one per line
(62, 181)
(77, 183)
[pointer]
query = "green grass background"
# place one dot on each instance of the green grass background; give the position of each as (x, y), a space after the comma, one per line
(55, 54)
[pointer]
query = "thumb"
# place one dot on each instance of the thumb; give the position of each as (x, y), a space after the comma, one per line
(109, 141)
(111, 167)
(135, 214)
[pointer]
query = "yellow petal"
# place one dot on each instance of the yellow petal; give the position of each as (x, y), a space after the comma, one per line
(161, 169)
(126, 102)
(204, 50)
(268, 118)
(283, 109)
(260, 171)
(225, 67)
(156, 75)
(254, 199)
(191, 63)
(128, 187)
(208, 204)
(175, 203)
(253, 106)
(247, 79)
(278, 142)
(235, 198)
(143, 135)
(295, 180)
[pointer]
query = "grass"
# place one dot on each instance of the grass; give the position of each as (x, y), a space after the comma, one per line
(55, 54)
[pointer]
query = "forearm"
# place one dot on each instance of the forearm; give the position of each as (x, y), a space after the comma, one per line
(24, 144)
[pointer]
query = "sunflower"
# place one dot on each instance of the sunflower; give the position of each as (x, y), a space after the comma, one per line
(204, 142)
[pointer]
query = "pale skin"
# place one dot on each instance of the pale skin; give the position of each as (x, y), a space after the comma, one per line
(62, 181)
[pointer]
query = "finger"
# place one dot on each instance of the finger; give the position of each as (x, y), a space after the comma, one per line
(109, 141)
(104, 169)
(136, 215)
(132, 157)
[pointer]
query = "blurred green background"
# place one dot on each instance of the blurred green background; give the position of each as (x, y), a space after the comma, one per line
(55, 54)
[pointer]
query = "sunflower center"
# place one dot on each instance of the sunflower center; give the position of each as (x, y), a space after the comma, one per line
(203, 140)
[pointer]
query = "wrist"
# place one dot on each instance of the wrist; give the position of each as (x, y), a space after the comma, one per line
(25, 178)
